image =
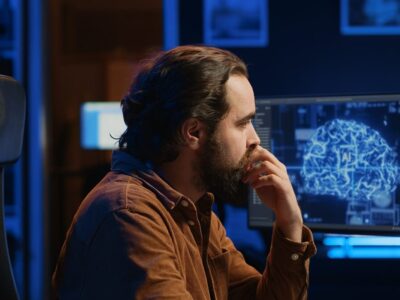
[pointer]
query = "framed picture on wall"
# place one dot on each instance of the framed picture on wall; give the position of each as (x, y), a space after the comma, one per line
(235, 23)
(370, 17)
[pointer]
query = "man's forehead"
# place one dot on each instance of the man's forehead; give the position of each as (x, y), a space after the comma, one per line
(240, 96)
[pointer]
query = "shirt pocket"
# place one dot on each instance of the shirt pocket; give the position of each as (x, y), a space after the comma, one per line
(219, 266)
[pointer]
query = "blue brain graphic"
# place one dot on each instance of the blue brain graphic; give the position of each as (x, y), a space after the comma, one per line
(349, 160)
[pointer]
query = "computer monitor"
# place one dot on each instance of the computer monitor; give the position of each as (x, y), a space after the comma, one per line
(342, 156)
(102, 124)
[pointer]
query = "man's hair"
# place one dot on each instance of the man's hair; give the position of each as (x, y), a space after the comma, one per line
(185, 82)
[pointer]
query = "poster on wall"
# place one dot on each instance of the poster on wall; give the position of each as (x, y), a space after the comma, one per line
(370, 17)
(235, 23)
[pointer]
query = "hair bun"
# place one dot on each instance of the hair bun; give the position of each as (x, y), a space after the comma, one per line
(131, 107)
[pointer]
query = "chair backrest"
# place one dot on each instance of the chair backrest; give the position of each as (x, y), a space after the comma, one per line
(12, 121)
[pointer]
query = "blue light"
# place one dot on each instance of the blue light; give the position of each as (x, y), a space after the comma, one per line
(334, 241)
(374, 241)
(361, 241)
(37, 204)
(344, 247)
(365, 253)
(171, 27)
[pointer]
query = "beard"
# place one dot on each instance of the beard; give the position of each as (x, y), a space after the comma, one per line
(221, 177)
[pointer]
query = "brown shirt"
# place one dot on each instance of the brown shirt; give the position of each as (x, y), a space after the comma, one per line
(135, 237)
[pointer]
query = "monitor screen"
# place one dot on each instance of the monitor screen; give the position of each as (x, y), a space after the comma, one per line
(101, 125)
(342, 156)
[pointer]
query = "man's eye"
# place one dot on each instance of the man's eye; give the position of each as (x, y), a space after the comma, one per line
(245, 123)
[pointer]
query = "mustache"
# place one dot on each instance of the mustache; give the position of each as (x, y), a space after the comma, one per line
(240, 170)
(245, 160)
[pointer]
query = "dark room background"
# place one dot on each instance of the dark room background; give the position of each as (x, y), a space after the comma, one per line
(67, 52)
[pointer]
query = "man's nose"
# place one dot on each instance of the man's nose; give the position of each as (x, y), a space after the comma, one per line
(253, 139)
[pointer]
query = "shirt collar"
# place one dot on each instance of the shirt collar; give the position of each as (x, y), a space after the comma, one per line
(125, 163)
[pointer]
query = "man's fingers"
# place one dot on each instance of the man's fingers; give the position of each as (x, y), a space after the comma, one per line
(267, 180)
(262, 154)
(263, 168)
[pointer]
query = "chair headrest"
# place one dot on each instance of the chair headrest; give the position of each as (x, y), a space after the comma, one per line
(12, 119)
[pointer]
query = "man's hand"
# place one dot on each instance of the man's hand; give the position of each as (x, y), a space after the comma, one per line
(268, 176)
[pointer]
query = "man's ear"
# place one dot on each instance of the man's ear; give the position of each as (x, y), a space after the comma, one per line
(193, 132)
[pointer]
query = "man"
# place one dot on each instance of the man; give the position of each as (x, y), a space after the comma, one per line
(147, 230)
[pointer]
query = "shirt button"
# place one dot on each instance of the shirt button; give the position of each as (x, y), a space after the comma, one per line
(184, 203)
(294, 256)
(191, 223)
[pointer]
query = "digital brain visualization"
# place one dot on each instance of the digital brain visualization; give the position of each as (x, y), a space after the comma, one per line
(349, 160)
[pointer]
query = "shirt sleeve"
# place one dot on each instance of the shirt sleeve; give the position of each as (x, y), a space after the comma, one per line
(134, 259)
(285, 276)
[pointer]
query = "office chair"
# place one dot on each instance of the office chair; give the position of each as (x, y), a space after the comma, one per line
(12, 120)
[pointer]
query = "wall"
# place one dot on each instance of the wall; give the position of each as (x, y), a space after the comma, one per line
(95, 47)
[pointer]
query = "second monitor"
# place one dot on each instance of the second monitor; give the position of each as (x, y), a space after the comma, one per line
(342, 156)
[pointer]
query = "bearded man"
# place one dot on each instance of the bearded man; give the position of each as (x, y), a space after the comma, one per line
(147, 230)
